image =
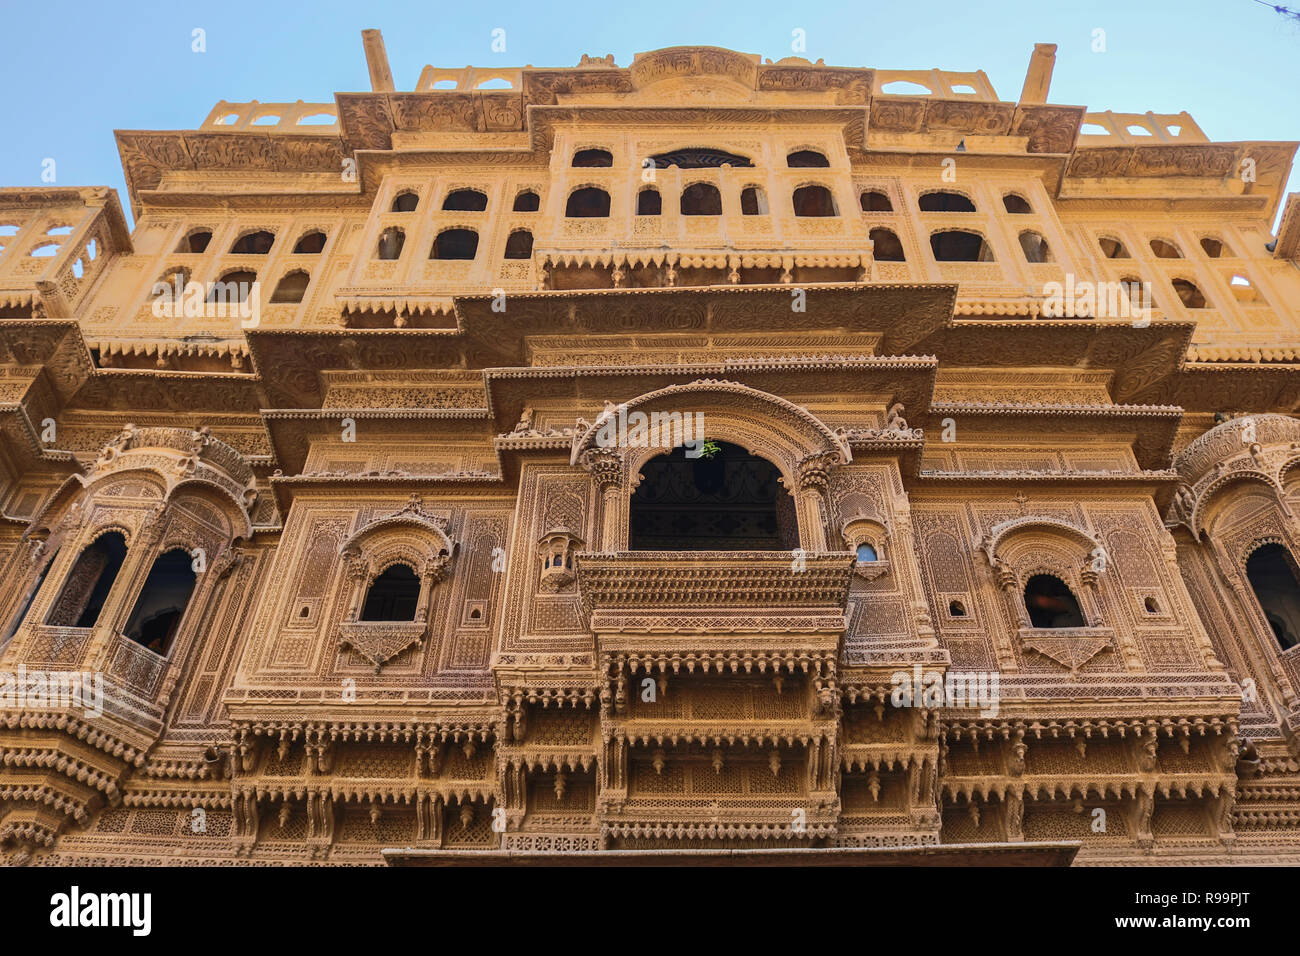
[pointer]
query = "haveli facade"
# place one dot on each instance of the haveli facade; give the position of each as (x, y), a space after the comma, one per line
(364, 580)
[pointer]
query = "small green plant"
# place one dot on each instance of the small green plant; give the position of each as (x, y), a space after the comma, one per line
(709, 449)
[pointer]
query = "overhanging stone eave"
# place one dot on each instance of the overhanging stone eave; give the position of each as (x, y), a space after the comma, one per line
(1028, 853)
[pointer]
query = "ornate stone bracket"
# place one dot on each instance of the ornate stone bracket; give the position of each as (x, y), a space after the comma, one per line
(380, 641)
(1071, 647)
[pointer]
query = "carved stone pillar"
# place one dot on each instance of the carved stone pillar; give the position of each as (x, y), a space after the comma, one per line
(814, 477)
(606, 469)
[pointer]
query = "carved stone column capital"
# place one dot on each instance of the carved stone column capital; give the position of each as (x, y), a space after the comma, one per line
(814, 471)
(604, 466)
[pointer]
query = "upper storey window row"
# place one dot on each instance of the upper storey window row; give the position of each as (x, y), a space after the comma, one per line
(465, 200)
(254, 243)
(697, 157)
(874, 200)
(700, 199)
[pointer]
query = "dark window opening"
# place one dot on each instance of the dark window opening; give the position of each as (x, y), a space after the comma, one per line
(406, 202)
(814, 201)
(945, 202)
(89, 582)
(162, 601)
(701, 199)
(1151, 606)
(27, 601)
(587, 203)
(731, 501)
(195, 242)
(1165, 250)
(592, 158)
(1191, 296)
(311, 244)
(527, 201)
(233, 287)
(873, 200)
(649, 203)
(956, 609)
(1035, 247)
(254, 244)
(1272, 575)
(465, 200)
(807, 159)
(1051, 603)
(393, 596)
(291, 288)
(519, 245)
(957, 246)
(1213, 247)
(887, 247)
(1016, 205)
(455, 244)
(390, 244)
(753, 202)
(1112, 248)
(699, 158)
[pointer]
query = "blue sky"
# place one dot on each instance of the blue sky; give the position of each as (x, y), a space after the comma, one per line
(1233, 64)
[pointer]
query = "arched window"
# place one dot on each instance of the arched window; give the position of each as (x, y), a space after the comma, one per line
(960, 246)
(1165, 250)
(162, 601)
(649, 202)
(1272, 575)
(589, 158)
(311, 244)
(873, 200)
(254, 243)
(1212, 247)
(753, 201)
(699, 157)
(807, 159)
(814, 201)
(291, 288)
(866, 553)
(455, 244)
(465, 200)
(944, 201)
(393, 595)
(406, 202)
(18, 618)
(589, 202)
(195, 242)
(701, 199)
(1051, 603)
(728, 501)
(887, 246)
(956, 609)
(519, 245)
(233, 287)
(1191, 296)
(1035, 247)
(1016, 205)
(88, 583)
(1112, 248)
(390, 243)
(527, 201)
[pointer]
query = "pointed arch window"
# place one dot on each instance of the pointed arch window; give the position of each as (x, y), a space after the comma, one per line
(1272, 574)
(87, 586)
(162, 601)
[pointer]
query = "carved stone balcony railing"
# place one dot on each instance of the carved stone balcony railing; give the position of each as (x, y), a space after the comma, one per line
(135, 666)
(57, 645)
(693, 579)
(1071, 647)
(380, 641)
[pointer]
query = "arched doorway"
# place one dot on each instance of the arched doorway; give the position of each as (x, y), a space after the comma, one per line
(729, 500)
(162, 601)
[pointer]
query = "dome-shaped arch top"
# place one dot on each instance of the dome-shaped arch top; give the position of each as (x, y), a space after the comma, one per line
(432, 529)
(764, 423)
(1002, 531)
